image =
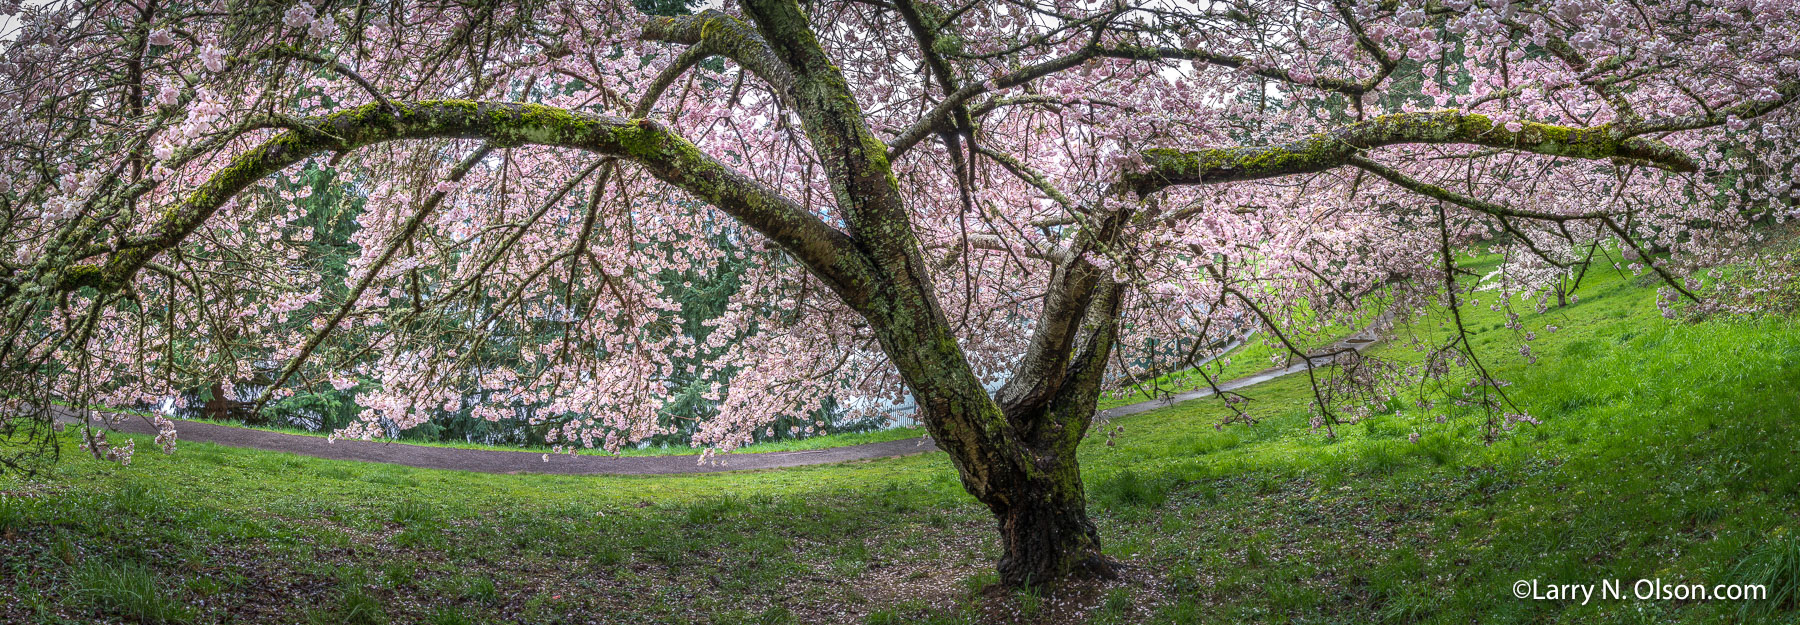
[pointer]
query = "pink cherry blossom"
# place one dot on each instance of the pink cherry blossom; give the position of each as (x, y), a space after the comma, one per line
(212, 58)
(298, 16)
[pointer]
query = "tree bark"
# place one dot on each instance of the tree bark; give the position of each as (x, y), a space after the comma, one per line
(1045, 533)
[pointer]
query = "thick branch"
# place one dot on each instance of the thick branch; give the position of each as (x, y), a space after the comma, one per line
(1329, 150)
(1073, 410)
(824, 250)
(1042, 372)
(855, 162)
(726, 36)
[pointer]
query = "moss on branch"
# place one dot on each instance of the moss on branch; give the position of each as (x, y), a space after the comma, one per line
(1323, 151)
(663, 153)
(721, 33)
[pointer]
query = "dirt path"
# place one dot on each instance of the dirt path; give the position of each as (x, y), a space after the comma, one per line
(498, 461)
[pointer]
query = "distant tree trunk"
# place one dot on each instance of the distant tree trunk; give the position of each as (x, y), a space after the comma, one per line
(222, 408)
(217, 407)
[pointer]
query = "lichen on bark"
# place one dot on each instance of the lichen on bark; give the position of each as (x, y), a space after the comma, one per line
(1327, 150)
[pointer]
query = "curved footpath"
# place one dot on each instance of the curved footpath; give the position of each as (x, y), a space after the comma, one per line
(498, 461)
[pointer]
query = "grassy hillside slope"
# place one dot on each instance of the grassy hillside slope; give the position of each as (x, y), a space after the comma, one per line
(1667, 451)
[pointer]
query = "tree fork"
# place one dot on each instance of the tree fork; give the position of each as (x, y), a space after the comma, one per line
(1045, 532)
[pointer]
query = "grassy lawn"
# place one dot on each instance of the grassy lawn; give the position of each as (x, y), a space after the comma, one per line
(1667, 451)
(1261, 351)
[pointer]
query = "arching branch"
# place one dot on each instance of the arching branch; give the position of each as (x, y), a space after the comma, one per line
(726, 36)
(1329, 150)
(825, 251)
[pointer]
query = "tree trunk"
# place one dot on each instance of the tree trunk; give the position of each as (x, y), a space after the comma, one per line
(1044, 527)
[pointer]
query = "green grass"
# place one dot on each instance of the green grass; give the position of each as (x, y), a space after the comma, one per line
(1667, 451)
(126, 589)
(1774, 564)
(1260, 352)
(350, 604)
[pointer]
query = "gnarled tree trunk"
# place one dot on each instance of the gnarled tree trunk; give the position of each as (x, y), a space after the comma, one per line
(1037, 495)
(1045, 532)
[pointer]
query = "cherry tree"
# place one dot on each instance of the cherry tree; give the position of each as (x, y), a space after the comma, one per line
(999, 208)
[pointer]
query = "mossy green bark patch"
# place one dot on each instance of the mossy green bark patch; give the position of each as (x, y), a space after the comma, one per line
(1323, 151)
